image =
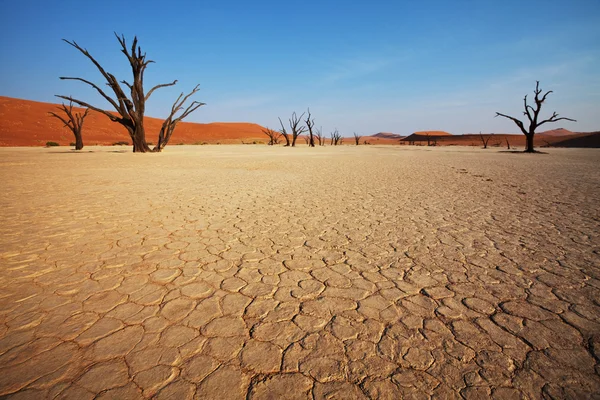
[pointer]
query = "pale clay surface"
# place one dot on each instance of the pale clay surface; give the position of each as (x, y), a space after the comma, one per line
(235, 272)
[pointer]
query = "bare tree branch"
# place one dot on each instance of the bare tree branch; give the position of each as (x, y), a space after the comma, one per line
(296, 128)
(284, 133)
(168, 126)
(516, 121)
(554, 119)
(64, 120)
(273, 136)
(158, 87)
(485, 140)
(107, 97)
(320, 137)
(310, 123)
(112, 117)
(336, 137)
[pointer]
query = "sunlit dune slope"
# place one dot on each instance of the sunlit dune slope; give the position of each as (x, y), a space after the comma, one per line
(27, 123)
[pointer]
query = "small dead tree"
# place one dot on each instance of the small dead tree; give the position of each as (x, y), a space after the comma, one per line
(336, 138)
(320, 137)
(169, 124)
(507, 143)
(532, 115)
(296, 128)
(310, 123)
(131, 110)
(273, 135)
(485, 140)
(356, 138)
(284, 133)
(74, 121)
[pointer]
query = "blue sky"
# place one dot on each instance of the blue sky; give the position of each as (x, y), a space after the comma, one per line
(392, 66)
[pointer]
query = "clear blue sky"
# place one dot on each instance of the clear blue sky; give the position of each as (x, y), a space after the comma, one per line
(364, 66)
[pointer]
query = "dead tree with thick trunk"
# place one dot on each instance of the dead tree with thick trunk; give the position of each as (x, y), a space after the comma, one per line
(310, 123)
(74, 121)
(272, 135)
(296, 128)
(485, 139)
(356, 138)
(532, 114)
(285, 134)
(130, 110)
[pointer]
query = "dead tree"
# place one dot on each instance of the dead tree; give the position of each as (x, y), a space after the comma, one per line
(310, 123)
(74, 121)
(532, 115)
(356, 138)
(169, 124)
(507, 143)
(296, 128)
(336, 138)
(485, 140)
(320, 137)
(284, 133)
(274, 136)
(131, 109)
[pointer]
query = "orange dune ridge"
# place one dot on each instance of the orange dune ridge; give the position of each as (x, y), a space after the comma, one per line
(432, 133)
(27, 123)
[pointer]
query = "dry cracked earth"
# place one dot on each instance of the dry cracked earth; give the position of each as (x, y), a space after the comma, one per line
(251, 272)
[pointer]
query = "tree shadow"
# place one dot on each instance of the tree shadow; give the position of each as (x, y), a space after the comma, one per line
(522, 152)
(88, 151)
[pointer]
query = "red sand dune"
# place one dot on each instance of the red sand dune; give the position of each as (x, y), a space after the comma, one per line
(432, 133)
(27, 123)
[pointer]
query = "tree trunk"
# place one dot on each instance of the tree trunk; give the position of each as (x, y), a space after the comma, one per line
(529, 145)
(78, 141)
(139, 139)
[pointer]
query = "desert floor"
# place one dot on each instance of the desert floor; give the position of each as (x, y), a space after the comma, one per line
(236, 272)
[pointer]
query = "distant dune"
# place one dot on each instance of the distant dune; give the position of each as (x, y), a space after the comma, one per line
(555, 138)
(557, 132)
(433, 133)
(591, 139)
(27, 123)
(387, 135)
